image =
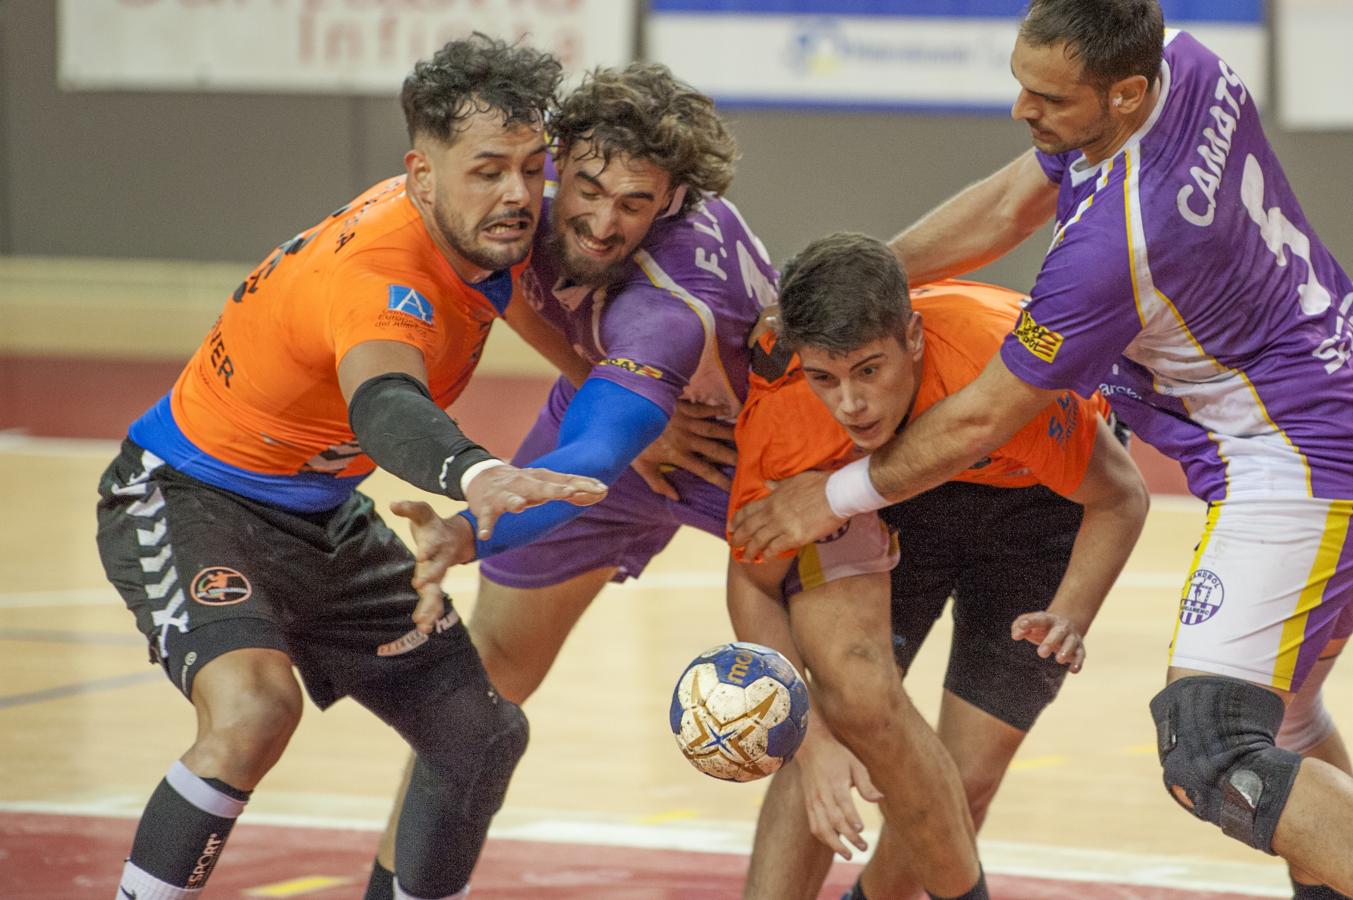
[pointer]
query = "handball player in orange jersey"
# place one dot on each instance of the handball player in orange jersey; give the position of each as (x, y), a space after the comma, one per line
(231, 523)
(1028, 541)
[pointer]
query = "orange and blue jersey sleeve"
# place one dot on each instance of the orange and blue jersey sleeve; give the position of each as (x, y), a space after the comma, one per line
(380, 296)
(1056, 445)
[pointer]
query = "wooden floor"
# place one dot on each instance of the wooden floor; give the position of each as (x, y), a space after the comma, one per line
(88, 727)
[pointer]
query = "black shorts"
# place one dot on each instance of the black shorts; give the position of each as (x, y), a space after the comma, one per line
(207, 571)
(998, 552)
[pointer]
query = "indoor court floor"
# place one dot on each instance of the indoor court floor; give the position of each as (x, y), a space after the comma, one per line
(603, 805)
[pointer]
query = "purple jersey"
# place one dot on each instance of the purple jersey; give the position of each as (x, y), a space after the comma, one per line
(1185, 283)
(676, 324)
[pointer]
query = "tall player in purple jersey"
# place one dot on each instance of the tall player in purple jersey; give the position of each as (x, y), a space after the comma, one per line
(656, 281)
(1184, 282)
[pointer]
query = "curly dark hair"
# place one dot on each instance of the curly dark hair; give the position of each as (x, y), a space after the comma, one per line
(475, 75)
(645, 112)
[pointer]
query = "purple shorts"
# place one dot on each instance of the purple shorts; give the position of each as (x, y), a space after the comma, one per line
(624, 531)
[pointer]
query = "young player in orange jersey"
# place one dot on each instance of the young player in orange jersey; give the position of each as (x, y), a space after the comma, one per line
(1028, 540)
(231, 523)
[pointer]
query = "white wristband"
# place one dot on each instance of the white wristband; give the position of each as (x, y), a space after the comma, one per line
(850, 491)
(470, 473)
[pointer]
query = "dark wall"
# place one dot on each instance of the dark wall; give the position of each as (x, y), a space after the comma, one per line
(226, 177)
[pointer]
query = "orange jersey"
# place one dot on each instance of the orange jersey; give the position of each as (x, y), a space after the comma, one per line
(262, 391)
(784, 429)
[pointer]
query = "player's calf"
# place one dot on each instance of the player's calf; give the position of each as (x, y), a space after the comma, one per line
(1215, 736)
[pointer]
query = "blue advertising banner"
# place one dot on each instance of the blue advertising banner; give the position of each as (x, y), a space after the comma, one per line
(926, 55)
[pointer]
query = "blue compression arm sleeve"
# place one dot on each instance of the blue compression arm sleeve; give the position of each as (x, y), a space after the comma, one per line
(604, 428)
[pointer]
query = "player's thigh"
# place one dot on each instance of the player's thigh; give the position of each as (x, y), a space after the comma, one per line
(1268, 589)
(843, 630)
(520, 631)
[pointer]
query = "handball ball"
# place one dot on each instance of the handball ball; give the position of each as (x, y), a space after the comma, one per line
(739, 711)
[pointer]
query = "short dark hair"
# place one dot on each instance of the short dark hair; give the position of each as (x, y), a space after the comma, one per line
(645, 112)
(475, 75)
(1113, 39)
(841, 292)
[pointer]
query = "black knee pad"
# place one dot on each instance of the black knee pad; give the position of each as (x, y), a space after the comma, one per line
(1215, 736)
(474, 741)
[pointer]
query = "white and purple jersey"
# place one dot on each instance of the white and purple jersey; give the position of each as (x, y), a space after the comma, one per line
(1185, 283)
(676, 324)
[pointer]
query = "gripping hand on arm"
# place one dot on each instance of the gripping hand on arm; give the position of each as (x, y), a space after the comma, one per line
(398, 425)
(940, 443)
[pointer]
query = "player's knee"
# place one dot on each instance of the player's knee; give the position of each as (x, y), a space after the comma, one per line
(480, 739)
(979, 788)
(859, 692)
(248, 733)
(1215, 736)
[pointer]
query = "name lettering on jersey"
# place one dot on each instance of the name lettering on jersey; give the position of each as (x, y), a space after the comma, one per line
(630, 365)
(408, 301)
(703, 258)
(1214, 150)
(220, 359)
(1041, 342)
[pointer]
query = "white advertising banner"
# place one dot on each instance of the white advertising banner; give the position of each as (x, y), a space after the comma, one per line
(941, 55)
(1315, 63)
(328, 46)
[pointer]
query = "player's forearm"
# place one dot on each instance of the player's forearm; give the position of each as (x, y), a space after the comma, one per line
(1109, 530)
(757, 610)
(980, 224)
(940, 443)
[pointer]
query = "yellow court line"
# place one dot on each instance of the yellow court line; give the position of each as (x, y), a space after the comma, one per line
(296, 887)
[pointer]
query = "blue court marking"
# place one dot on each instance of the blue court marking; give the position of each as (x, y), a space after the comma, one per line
(80, 687)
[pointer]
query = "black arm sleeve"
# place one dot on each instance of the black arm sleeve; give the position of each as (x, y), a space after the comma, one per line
(406, 434)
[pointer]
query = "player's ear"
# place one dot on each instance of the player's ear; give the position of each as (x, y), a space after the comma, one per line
(419, 169)
(1128, 95)
(915, 336)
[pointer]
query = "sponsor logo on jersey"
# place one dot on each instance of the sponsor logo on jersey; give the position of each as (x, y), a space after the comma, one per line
(220, 586)
(1203, 596)
(630, 365)
(1041, 342)
(408, 301)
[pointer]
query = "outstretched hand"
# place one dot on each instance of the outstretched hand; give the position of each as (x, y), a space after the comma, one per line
(828, 771)
(696, 440)
(506, 488)
(439, 544)
(1054, 634)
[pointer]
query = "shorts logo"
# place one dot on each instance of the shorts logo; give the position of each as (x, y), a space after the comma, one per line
(220, 586)
(415, 638)
(630, 365)
(1202, 598)
(410, 302)
(837, 534)
(1041, 342)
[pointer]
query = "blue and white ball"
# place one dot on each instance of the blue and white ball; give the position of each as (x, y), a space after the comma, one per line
(739, 711)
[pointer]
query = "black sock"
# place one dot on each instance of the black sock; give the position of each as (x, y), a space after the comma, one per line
(184, 827)
(381, 886)
(977, 892)
(1314, 892)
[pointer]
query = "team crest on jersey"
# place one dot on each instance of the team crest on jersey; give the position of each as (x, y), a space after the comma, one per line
(408, 301)
(630, 365)
(1041, 342)
(1203, 596)
(220, 586)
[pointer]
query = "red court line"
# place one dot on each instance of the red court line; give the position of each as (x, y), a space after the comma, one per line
(51, 857)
